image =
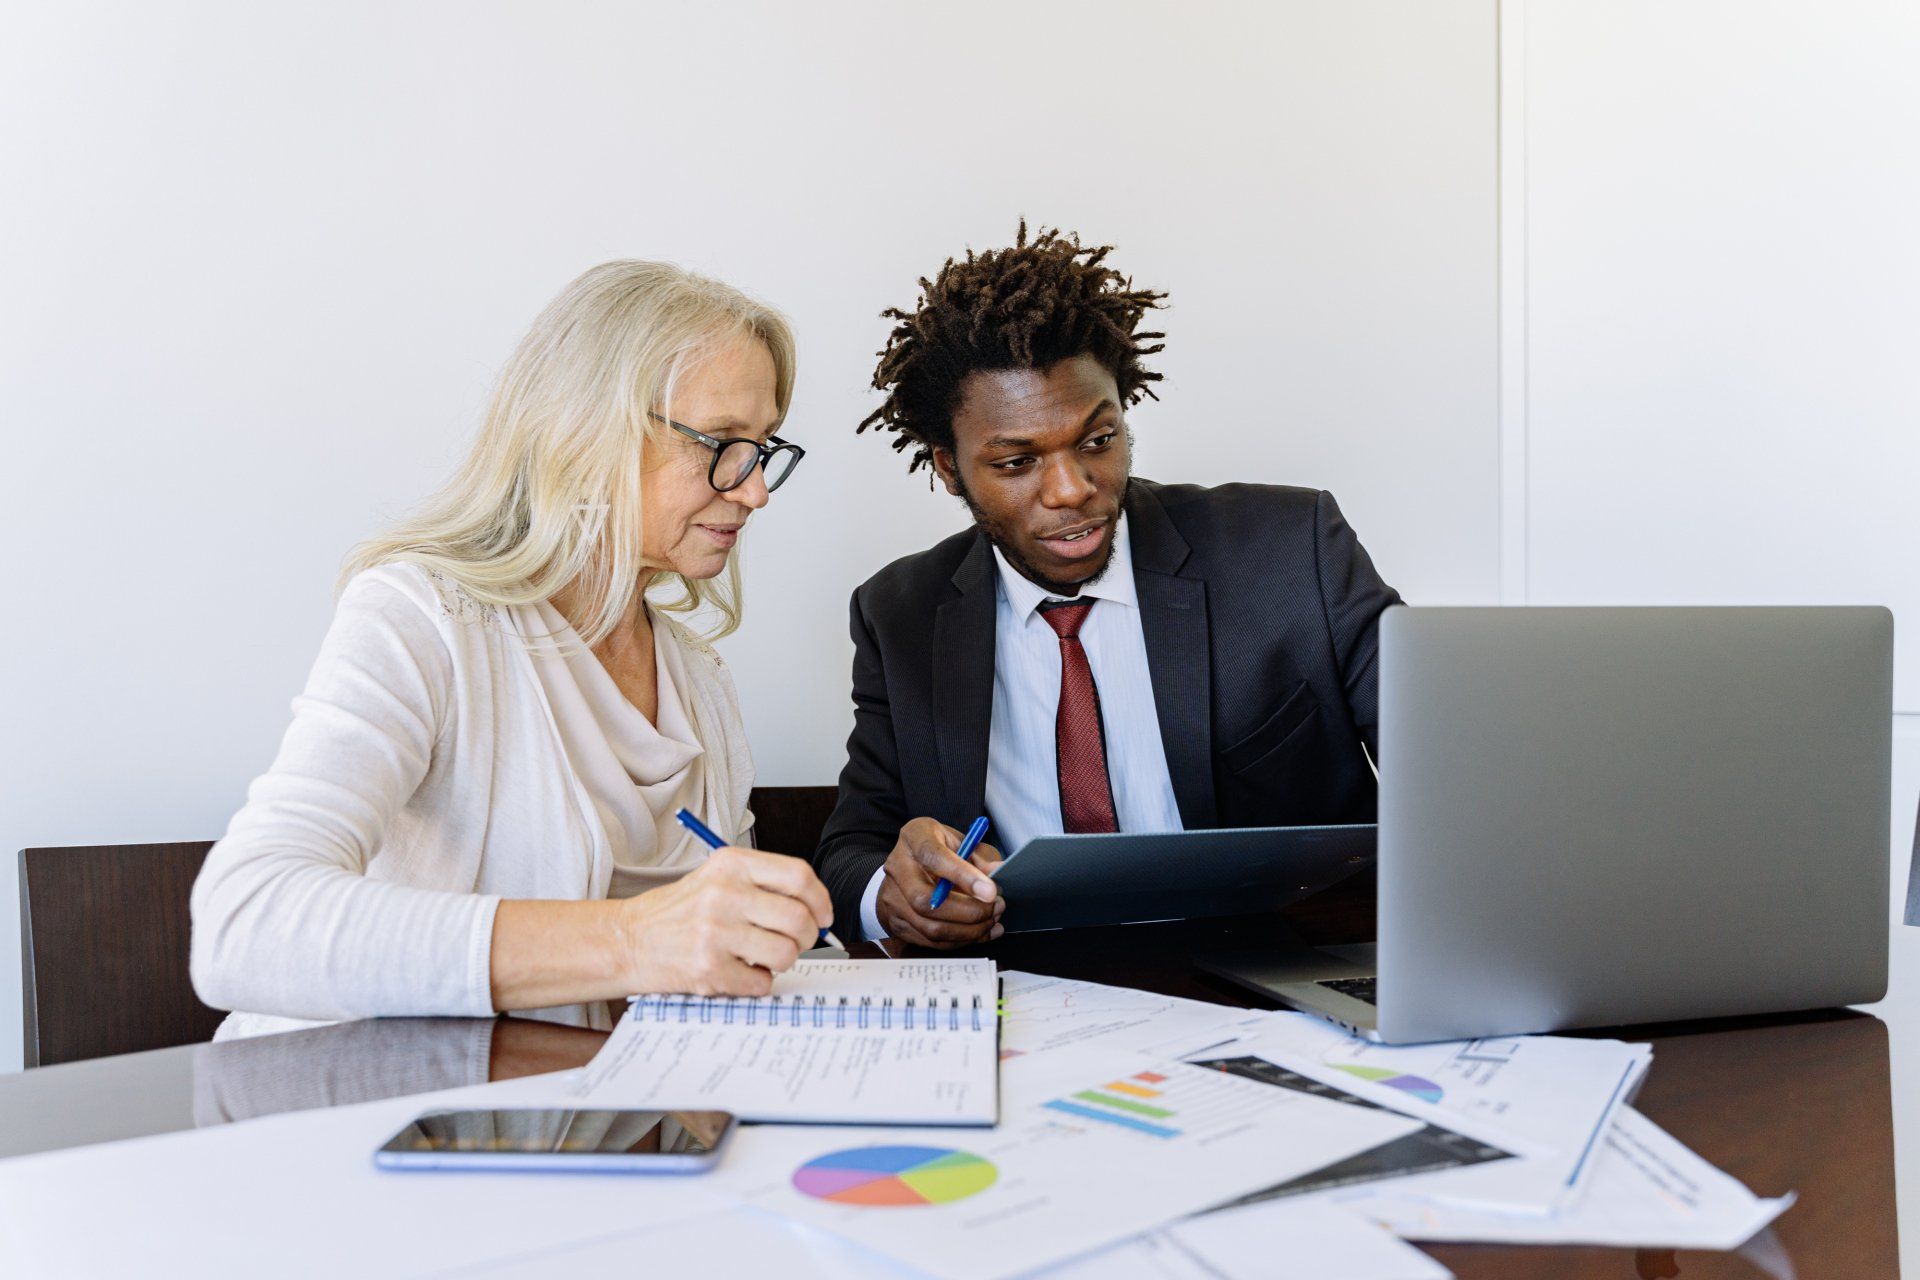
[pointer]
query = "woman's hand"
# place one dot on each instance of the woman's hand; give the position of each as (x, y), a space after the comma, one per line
(725, 928)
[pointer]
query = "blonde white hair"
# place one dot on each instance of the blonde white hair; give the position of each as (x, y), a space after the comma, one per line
(549, 497)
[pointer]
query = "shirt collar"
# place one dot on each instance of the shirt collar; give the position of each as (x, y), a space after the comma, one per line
(1116, 584)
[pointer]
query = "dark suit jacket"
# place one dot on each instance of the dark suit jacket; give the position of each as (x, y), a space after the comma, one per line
(1260, 610)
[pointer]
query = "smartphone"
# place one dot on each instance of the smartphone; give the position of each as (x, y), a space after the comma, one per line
(544, 1140)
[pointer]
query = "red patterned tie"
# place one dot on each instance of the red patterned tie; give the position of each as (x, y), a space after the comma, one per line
(1086, 796)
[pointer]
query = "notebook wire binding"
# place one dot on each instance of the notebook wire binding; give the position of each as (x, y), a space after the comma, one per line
(812, 1012)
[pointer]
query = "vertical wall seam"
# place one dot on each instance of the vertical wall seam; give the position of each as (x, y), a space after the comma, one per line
(1511, 249)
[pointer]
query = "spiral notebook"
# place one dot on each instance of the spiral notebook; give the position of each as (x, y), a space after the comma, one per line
(836, 1041)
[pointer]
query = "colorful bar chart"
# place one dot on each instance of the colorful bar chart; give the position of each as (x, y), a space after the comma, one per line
(1128, 1103)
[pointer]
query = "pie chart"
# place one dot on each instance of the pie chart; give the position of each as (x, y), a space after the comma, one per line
(895, 1176)
(1419, 1086)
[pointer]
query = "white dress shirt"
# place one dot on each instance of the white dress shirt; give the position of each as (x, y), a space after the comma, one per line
(1023, 774)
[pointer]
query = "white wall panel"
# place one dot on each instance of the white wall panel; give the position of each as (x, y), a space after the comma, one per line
(1722, 305)
(258, 263)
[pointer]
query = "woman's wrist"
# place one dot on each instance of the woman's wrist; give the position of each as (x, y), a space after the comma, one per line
(623, 943)
(549, 952)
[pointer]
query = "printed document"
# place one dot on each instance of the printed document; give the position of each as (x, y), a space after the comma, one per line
(1547, 1099)
(1648, 1191)
(1269, 1243)
(1048, 1013)
(1094, 1146)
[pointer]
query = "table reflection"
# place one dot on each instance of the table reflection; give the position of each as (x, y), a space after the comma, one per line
(376, 1058)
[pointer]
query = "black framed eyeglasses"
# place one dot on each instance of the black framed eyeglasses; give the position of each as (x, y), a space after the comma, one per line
(734, 460)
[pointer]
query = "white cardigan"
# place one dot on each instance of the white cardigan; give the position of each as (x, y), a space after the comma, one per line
(423, 780)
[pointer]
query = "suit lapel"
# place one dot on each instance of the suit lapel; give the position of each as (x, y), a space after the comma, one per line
(1173, 619)
(963, 685)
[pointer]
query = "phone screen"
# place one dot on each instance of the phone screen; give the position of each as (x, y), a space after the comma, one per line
(563, 1133)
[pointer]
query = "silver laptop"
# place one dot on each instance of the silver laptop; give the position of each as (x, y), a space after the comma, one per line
(1596, 817)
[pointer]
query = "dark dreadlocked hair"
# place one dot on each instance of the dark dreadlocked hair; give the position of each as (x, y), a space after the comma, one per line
(1028, 307)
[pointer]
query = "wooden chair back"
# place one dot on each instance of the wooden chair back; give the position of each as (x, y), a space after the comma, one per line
(790, 819)
(103, 950)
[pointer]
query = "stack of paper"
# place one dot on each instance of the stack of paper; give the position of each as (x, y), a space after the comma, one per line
(1574, 1164)
(1646, 1191)
(1526, 1139)
(1547, 1100)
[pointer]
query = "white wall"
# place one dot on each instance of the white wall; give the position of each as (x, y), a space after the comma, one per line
(1722, 305)
(258, 263)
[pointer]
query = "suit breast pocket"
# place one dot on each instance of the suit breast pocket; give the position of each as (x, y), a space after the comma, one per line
(1253, 756)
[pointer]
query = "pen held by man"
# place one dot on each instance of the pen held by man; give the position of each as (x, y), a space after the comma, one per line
(927, 852)
(975, 834)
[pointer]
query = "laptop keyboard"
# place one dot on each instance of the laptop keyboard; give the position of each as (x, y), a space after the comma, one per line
(1359, 988)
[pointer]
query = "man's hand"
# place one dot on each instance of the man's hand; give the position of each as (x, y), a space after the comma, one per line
(926, 853)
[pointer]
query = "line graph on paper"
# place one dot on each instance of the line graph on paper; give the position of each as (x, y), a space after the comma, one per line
(1048, 1013)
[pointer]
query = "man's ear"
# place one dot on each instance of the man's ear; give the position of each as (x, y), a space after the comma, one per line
(944, 466)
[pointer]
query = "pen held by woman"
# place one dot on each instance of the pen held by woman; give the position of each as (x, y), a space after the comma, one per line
(713, 841)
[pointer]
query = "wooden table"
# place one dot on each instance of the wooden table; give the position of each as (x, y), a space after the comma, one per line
(1799, 1104)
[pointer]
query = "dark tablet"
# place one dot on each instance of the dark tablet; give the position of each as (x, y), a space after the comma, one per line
(1068, 881)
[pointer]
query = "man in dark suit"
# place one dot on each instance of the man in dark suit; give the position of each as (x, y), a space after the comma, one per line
(1100, 652)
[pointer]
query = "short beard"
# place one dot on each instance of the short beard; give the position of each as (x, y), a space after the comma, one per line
(1023, 566)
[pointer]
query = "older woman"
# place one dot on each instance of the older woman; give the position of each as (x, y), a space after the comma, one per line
(473, 808)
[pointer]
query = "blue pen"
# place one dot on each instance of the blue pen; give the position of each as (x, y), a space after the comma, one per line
(967, 846)
(706, 833)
